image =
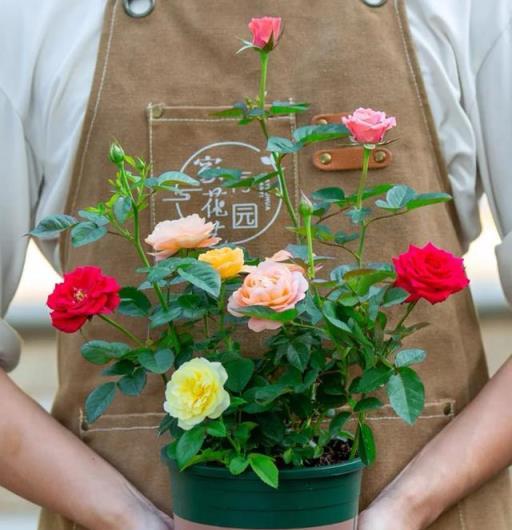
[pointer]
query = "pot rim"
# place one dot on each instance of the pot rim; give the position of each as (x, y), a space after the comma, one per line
(299, 473)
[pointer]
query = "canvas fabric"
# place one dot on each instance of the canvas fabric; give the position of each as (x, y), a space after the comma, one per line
(157, 81)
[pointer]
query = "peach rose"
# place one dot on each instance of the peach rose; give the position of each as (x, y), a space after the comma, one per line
(272, 285)
(265, 32)
(188, 232)
(368, 126)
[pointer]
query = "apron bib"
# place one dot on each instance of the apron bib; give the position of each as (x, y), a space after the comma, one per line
(158, 78)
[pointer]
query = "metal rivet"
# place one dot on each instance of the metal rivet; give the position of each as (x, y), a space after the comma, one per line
(375, 3)
(447, 409)
(155, 111)
(138, 8)
(380, 156)
(325, 158)
(322, 121)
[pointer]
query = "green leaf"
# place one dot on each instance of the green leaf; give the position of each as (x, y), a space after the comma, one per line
(190, 444)
(338, 422)
(266, 313)
(122, 208)
(161, 316)
(158, 362)
(238, 465)
(394, 296)
(285, 107)
(100, 352)
(243, 431)
(122, 367)
(94, 217)
(367, 448)
(397, 198)
(319, 133)
(167, 424)
(411, 356)
(298, 251)
(85, 233)
(298, 354)
(329, 312)
(134, 303)
(406, 394)
(99, 400)
(133, 385)
(358, 215)
(51, 226)
(427, 199)
(169, 179)
(373, 379)
(265, 468)
(239, 372)
(360, 280)
(203, 276)
(220, 172)
(277, 144)
(217, 429)
(269, 393)
(370, 403)
(329, 195)
(342, 237)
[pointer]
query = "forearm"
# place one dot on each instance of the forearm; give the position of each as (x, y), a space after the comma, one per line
(466, 454)
(43, 462)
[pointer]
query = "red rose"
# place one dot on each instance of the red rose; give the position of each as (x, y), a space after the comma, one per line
(430, 273)
(85, 292)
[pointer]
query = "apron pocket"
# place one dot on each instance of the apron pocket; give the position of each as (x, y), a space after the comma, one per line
(130, 442)
(190, 139)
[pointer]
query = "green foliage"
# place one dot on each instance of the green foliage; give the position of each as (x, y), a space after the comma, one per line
(53, 225)
(406, 394)
(265, 468)
(99, 400)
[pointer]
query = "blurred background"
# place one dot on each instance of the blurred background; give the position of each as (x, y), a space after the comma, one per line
(37, 373)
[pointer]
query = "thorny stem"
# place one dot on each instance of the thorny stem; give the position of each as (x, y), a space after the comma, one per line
(123, 330)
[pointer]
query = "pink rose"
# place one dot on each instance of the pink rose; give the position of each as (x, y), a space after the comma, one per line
(430, 273)
(368, 126)
(265, 32)
(188, 232)
(272, 285)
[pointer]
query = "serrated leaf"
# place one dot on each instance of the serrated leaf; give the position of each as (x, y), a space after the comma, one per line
(338, 422)
(329, 312)
(216, 428)
(367, 448)
(86, 232)
(53, 225)
(277, 144)
(298, 354)
(265, 468)
(358, 215)
(99, 400)
(134, 303)
(329, 195)
(406, 394)
(189, 445)
(373, 379)
(162, 317)
(133, 385)
(158, 362)
(170, 179)
(266, 313)
(286, 107)
(239, 372)
(203, 276)
(94, 217)
(100, 351)
(397, 198)
(309, 134)
(370, 403)
(409, 357)
(394, 296)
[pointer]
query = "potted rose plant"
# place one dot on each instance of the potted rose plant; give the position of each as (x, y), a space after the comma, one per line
(278, 441)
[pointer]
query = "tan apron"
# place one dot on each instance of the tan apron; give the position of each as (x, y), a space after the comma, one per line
(158, 79)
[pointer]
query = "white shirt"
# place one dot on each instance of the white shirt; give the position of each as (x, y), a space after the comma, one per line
(48, 54)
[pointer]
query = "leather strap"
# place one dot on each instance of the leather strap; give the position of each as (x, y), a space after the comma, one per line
(350, 158)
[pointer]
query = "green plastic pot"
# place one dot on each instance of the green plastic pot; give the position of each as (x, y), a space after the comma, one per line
(208, 496)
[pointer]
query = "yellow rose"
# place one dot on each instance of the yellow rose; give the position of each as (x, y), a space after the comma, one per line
(196, 391)
(227, 261)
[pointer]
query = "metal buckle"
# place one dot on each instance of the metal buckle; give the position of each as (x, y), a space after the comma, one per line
(375, 3)
(138, 8)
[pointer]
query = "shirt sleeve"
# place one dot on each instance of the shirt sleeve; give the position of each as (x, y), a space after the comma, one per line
(18, 198)
(494, 100)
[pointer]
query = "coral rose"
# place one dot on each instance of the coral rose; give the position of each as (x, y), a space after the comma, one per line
(85, 292)
(196, 391)
(188, 232)
(430, 273)
(227, 261)
(272, 285)
(368, 126)
(265, 32)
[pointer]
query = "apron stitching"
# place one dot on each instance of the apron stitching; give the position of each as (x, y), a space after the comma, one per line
(152, 204)
(461, 517)
(388, 418)
(132, 428)
(97, 104)
(133, 415)
(296, 177)
(215, 120)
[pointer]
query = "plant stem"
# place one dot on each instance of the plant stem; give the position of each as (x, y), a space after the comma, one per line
(123, 330)
(264, 57)
(309, 242)
(410, 307)
(364, 176)
(360, 250)
(284, 191)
